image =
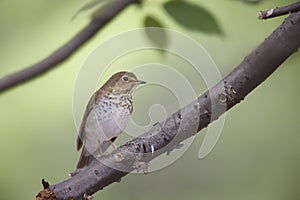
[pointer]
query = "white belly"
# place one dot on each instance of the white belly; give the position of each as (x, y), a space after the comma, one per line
(104, 124)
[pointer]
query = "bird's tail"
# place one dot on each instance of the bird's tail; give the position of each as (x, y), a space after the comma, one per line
(85, 159)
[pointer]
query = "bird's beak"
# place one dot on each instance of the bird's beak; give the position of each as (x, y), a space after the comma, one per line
(141, 82)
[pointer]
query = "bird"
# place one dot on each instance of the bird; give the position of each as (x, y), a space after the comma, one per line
(106, 116)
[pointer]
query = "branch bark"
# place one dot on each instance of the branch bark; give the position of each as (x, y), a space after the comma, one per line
(275, 12)
(253, 70)
(63, 53)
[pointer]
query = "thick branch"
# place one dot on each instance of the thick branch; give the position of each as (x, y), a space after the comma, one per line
(275, 12)
(255, 68)
(62, 54)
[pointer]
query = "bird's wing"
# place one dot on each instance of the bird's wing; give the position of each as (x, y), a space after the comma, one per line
(88, 109)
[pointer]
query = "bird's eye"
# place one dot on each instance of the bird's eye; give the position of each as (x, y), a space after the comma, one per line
(125, 78)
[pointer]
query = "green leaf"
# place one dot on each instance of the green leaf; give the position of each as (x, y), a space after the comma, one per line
(156, 36)
(150, 21)
(192, 16)
(88, 6)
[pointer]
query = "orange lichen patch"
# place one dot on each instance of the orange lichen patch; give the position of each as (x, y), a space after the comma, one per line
(46, 194)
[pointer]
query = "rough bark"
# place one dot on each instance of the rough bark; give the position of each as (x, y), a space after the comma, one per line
(275, 12)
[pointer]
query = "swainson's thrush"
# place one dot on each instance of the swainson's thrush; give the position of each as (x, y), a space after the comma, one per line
(106, 116)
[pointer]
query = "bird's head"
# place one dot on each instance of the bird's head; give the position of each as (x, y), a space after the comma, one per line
(122, 83)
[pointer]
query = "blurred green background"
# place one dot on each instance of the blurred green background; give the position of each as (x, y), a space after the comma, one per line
(257, 156)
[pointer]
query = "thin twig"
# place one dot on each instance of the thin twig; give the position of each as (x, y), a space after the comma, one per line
(62, 54)
(254, 69)
(275, 12)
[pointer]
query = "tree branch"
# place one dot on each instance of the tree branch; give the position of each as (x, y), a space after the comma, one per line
(62, 54)
(254, 69)
(275, 12)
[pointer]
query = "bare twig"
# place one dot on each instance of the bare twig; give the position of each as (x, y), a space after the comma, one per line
(275, 12)
(255, 68)
(62, 54)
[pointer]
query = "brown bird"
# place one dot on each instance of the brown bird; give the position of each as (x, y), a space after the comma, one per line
(106, 116)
